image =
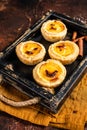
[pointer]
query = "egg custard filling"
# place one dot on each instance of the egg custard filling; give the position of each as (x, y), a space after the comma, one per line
(64, 51)
(30, 52)
(50, 73)
(55, 27)
(53, 30)
(31, 49)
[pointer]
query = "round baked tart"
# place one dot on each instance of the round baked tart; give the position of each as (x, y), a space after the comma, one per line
(50, 73)
(64, 51)
(30, 52)
(53, 30)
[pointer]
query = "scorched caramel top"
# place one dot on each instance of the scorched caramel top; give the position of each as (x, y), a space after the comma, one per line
(50, 71)
(64, 49)
(31, 49)
(55, 26)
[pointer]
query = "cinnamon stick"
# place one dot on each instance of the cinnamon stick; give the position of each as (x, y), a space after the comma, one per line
(83, 37)
(80, 44)
(74, 35)
(76, 40)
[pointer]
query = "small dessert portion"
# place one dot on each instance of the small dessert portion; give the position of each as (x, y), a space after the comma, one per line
(30, 52)
(53, 30)
(64, 51)
(50, 73)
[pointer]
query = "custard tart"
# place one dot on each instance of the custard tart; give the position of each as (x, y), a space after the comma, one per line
(53, 30)
(50, 73)
(30, 52)
(64, 51)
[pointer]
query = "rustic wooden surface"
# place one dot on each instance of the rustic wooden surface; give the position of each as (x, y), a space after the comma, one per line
(15, 17)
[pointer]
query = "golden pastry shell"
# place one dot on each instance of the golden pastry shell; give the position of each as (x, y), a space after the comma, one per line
(53, 36)
(64, 59)
(41, 81)
(30, 60)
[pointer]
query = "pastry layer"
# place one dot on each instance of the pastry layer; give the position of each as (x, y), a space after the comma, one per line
(30, 52)
(50, 73)
(53, 30)
(64, 51)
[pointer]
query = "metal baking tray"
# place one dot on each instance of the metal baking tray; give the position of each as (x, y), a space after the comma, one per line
(21, 75)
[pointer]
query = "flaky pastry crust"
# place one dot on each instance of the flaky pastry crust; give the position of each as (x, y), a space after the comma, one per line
(53, 30)
(30, 52)
(64, 51)
(50, 73)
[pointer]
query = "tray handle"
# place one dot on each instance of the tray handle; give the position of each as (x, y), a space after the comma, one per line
(10, 102)
(20, 103)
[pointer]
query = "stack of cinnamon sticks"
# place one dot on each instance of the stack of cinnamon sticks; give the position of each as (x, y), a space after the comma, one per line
(79, 41)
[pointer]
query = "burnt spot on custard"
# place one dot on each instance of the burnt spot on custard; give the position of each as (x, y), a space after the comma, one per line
(31, 52)
(51, 74)
(62, 46)
(52, 27)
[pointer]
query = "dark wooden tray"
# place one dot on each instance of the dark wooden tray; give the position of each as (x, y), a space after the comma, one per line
(21, 75)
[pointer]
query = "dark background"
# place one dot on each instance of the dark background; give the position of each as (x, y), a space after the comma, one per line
(15, 17)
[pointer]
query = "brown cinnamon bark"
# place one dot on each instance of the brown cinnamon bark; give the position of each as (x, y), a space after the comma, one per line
(80, 44)
(74, 35)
